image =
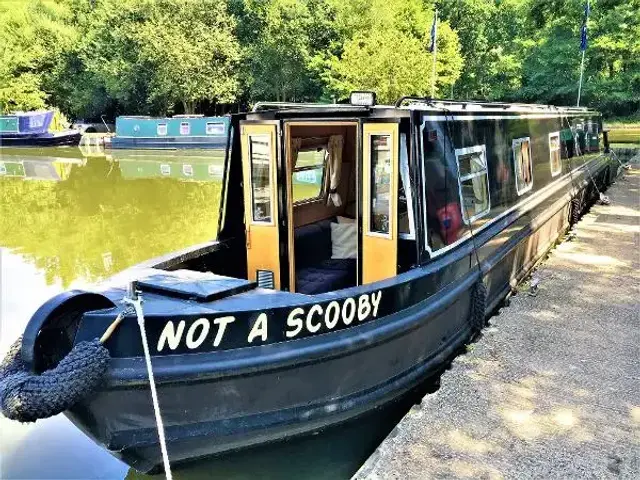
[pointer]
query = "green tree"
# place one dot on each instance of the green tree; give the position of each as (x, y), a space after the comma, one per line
(386, 50)
(33, 38)
(155, 53)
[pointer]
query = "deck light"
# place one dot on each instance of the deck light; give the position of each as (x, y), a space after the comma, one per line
(364, 99)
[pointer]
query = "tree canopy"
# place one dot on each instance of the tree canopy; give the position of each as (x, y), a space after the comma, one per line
(89, 57)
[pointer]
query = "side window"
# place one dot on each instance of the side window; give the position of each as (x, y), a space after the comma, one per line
(260, 160)
(308, 175)
(554, 153)
(214, 128)
(522, 163)
(474, 182)
(161, 129)
(381, 167)
(185, 128)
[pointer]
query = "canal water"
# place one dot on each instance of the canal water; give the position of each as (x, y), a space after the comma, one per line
(71, 218)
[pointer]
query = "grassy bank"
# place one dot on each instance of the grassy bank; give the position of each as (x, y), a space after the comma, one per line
(623, 130)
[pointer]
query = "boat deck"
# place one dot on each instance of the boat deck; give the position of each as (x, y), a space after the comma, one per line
(551, 388)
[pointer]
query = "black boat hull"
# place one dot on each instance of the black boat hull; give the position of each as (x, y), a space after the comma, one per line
(327, 381)
(57, 140)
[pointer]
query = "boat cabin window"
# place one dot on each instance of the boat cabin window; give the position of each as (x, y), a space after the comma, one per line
(161, 129)
(474, 182)
(214, 128)
(441, 194)
(185, 128)
(522, 163)
(308, 174)
(261, 194)
(554, 153)
(380, 221)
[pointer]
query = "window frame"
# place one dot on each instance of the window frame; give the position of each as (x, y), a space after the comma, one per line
(165, 129)
(369, 231)
(520, 141)
(272, 200)
(188, 129)
(466, 151)
(559, 150)
(324, 164)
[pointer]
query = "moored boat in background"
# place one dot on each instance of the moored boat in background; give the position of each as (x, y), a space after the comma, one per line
(177, 132)
(31, 129)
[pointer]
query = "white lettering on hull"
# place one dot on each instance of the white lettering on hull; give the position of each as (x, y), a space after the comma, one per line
(299, 321)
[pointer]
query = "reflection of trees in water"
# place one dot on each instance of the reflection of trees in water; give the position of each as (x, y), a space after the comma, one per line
(96, 223)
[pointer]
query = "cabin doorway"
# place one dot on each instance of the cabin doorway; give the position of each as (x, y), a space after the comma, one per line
(323, 204)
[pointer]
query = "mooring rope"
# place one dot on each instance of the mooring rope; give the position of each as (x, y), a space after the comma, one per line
(136, 302)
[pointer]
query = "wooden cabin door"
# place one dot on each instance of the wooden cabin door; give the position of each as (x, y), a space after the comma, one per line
(260, 167)
(380, 201)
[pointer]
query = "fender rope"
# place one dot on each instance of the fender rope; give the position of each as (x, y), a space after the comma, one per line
(478, 305)
(27, 397)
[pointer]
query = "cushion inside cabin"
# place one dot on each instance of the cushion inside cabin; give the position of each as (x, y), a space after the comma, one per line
(344, 240)
(316, 270)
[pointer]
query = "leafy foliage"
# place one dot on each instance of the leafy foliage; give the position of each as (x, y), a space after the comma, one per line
(89, 57)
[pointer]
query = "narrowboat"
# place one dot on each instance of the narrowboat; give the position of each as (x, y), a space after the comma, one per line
(322, 300)
(34, 129)
(177, 132)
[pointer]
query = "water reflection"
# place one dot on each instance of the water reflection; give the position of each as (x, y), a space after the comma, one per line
(90, 217)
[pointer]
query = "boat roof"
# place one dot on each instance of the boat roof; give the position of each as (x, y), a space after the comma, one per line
(407, 104)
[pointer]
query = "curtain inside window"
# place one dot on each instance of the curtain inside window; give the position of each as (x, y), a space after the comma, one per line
(334, 150)
(296, 145)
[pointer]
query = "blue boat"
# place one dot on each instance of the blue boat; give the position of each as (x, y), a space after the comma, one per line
(359, 246)
(30, 129)
(180, 131)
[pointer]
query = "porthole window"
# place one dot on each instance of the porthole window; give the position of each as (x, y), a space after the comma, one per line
(521, 148)
(554, 153)
(474, 182)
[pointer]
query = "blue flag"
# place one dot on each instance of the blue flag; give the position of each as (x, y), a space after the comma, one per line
(583, 30)
(434, 32)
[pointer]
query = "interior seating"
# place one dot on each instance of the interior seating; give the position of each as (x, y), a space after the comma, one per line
(316, 271)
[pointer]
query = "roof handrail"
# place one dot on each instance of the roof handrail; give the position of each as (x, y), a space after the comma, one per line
(266, 105)
(433, 102)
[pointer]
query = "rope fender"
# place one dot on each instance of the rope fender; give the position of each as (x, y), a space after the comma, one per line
(27, 397)
(478, 305)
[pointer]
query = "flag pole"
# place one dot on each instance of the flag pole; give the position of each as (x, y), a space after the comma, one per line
(583, 47)
(581, 75)
(435, 50)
